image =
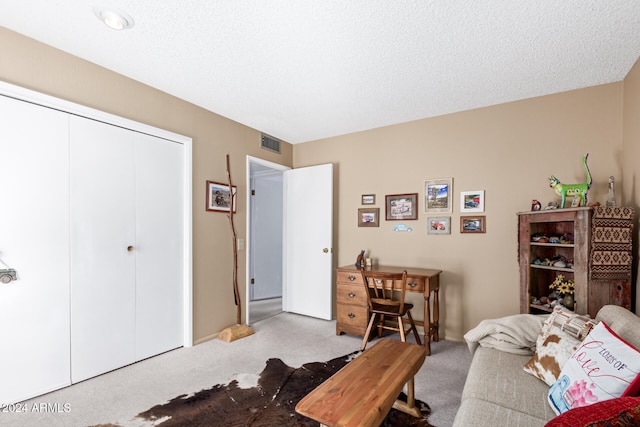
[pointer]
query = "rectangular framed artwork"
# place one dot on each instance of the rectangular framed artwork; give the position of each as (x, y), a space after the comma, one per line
(438, 195)
(219, 198)
(472, 224)
(368, 217)
(439, 225)
(401, 206)
(472, 201)
(368, 199)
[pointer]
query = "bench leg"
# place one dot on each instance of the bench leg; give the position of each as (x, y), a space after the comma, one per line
(409, 407)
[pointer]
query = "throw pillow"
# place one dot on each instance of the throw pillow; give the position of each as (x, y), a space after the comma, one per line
(560, 336)
(620, 412)
(603, 367)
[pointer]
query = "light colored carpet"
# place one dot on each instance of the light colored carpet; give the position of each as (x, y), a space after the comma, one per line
(117, 397)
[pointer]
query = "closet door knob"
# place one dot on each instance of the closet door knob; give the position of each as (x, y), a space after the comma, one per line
(129, 248)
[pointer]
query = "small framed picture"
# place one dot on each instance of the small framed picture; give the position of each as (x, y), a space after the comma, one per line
(219, 198)
(438, 195)
(401, 206)
(439, 225)
(368, 217)
(472, 224)
(368, 199)
(472, 201)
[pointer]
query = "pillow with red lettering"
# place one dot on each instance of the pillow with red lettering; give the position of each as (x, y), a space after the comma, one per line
(603, 367)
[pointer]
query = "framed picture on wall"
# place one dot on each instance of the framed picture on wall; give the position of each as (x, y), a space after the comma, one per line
(219, 198)
(401, 206)
(438, 195)
(472, 201)
(368, 217)
(472, 224)
(439, 225)
(368, 199)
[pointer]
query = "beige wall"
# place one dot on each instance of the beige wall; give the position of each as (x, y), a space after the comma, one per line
(27, 63)
(507, 150)
(631, 149)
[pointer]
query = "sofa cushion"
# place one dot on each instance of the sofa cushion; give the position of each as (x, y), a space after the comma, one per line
(497, 377)
(604, 367)
(622, 321)
(559, 337)
(478, 413)
(620, 412)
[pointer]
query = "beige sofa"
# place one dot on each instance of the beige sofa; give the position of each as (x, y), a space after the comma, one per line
(498, 392)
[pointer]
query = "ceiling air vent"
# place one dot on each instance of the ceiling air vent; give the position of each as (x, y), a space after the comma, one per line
(270, 143)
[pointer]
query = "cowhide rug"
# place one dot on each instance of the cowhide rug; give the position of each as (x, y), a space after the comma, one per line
(270, 403)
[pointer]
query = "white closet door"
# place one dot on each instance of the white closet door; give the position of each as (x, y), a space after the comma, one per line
(34, 240)
(159, 250)
(103, 243)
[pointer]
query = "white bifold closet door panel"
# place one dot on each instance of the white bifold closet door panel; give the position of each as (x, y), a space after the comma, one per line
(34, 240)
(103, 239)
(126, 247)
(159, 245)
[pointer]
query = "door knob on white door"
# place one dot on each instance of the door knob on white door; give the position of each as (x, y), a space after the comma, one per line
(129, 248)
(325, 250)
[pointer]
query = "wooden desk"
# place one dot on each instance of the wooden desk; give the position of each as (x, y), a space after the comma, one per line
(364, 391)
(352, 309)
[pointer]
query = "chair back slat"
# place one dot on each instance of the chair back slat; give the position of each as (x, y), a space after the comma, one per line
(390, 287)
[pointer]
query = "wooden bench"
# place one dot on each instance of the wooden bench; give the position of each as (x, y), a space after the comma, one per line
(364, 391)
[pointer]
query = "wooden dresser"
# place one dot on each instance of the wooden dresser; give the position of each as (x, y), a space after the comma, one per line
(352, 311)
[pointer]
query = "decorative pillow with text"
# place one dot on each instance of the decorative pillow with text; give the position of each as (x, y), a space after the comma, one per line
(560, 336)
(603, 367)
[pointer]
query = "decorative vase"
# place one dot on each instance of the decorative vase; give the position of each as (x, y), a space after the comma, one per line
(568, 301)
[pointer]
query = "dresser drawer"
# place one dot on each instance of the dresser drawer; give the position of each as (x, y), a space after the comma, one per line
(354, 316)
(349, 277)
(353, 294)
(415, 284)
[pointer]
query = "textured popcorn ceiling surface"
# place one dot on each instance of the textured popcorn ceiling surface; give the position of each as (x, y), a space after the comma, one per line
(301, 70)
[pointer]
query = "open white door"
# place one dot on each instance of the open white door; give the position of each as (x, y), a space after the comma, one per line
(308, 241)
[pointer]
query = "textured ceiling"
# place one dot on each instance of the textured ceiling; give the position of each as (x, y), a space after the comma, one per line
(302, 70)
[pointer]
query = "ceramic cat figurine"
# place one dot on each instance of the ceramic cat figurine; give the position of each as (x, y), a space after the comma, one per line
(579, 191)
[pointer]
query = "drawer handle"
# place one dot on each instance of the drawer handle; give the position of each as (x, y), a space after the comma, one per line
(351, 315)
(352, 278)
(412, 284)
(352, 295)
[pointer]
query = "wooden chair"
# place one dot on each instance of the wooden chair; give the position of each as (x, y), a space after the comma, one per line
(385, 295)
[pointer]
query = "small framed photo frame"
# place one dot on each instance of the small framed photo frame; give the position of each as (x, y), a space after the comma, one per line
(401, 206)
(439, 225)
(368, 199)
(472, 201)
(473, 224)
(369, 217)
(219, 198)
(438, 195)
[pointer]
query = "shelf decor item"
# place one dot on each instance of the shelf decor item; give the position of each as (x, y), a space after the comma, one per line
(565, 288)
(578, 191)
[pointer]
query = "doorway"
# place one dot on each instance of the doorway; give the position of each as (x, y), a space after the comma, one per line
(265, 199)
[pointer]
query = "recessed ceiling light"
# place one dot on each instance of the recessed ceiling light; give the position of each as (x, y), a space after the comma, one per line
(114, 18)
